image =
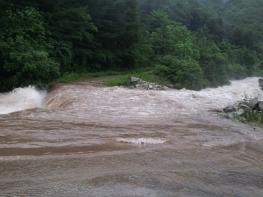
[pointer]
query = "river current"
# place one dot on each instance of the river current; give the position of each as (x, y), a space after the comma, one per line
(85, 140)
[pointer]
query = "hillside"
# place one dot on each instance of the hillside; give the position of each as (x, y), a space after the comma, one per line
(189, 44)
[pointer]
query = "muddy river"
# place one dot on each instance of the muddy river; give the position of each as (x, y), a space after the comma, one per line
(83, 140)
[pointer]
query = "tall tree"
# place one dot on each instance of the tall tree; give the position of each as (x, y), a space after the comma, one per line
(24, 50)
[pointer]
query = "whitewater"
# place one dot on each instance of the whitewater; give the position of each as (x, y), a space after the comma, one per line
(189, 101)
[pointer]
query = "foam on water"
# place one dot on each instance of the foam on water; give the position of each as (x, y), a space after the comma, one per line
(142, 140)
(216, 98)
(92, 102)
(21, 99)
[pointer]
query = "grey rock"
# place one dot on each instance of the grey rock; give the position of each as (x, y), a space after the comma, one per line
(244, 105)
(230, 109)
(138, 83)
(134, 80)
(239, 112)
(259, 106)
(260, 81)
(252, 103)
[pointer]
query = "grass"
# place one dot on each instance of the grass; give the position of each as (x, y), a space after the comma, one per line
(123, 79)
(79, 76)
(111, 78)
(253, 116)
(119, 80)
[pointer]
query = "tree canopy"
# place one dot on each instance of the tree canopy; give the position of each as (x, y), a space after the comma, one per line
(190, 44)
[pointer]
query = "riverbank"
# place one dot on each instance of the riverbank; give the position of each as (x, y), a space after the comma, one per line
(110, 78)
(248, 110)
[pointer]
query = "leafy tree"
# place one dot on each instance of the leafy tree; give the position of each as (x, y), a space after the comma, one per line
(158, 19)
(177, 56)
(24, 51)
(173, 39)
(180, 72)
(73, 32)
(212, 61)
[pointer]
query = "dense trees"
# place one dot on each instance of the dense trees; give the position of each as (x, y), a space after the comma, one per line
(175, 53)
(191, 43)
(25, 55)
(73, 37)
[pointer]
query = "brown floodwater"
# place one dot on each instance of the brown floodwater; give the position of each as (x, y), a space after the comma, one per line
(86, 140)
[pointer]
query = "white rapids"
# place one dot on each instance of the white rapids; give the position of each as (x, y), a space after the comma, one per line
(217, 98)
(21, 99)
(147, 102)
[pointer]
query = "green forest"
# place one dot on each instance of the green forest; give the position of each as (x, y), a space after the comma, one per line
(191, 44)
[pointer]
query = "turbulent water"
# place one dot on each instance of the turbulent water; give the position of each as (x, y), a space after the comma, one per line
(21, 99)
(82, 140)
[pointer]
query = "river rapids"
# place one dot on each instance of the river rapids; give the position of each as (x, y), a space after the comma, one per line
(84, 140)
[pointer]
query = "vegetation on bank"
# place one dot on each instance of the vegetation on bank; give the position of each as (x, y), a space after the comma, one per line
(111, 78)
(85, 75)
(247, 111)
(189, 44)
(124, 79)
(252, 116)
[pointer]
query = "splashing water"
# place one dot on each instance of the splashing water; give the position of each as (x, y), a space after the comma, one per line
(21, 99)
(137, 103)
(117, 103)
(216, 98)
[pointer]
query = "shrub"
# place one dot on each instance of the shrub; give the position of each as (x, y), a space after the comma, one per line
(180, 72)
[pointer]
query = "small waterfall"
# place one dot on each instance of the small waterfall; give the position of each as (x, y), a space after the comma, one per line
(21, 99)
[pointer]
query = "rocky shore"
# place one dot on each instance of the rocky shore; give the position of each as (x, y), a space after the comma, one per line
(247, 110)
(137, 83)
